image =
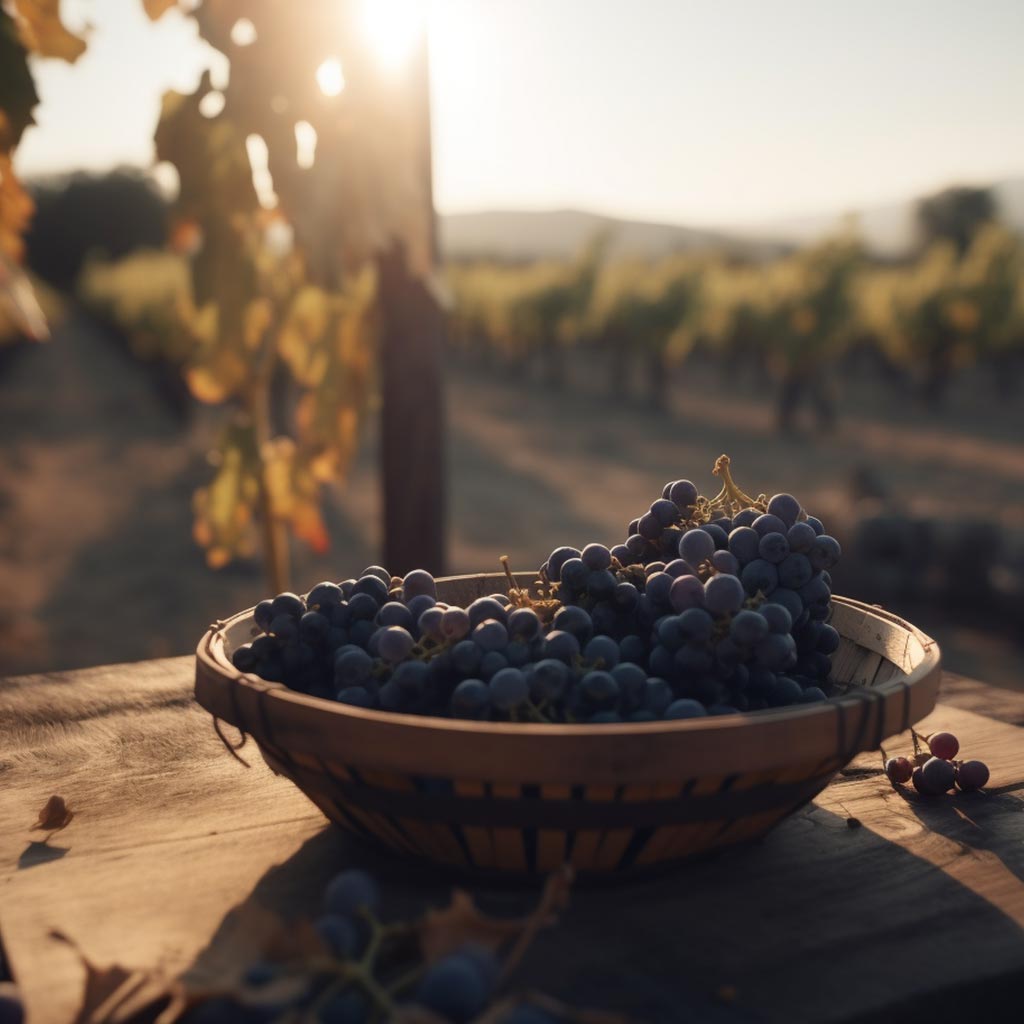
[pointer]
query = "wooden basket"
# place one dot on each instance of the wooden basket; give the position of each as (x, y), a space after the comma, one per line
(525, 798)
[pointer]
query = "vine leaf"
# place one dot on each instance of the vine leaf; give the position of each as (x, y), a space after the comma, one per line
(156, 9)
(43, 32)
(461, 922)
(18, 96)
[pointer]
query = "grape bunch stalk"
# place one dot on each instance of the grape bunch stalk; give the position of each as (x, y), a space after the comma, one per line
(710, 606)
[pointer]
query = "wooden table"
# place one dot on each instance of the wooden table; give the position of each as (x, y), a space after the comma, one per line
(917, 914)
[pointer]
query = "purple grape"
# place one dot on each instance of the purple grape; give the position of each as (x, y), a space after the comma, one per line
(683, 494)
(491, 635)
(659, 586)
(622, 554)
(769, 524)
(745, 517)
(600, 689)
(937, 775)
(430, 624)
(971, 776)
(601, 584)
(696, 626)
(726, 561)
(748, 628)
(759, 576)
(657, 695)
(356, 696)
(679, 567)
(723, 595)
(508, 689)
(557, 559)
(685, 708)
(263, 615)
(571, 618)
(650, 527)
(686, 592)
(350, 892)
(395, 644)
(394, 613)
(548, 679)
(524, 622)
(455, 624)
(776, 651)
(487, 608)
(828, 641)
(665, 511)
(324, 595)
(696, 546)
(773, 548)
(596, 556)
(744, 543)
(825, 552)
(794, 571)
(717, 534)
(899, 770)
(944, 745)
(418, 605)
(801, 537)
(786, 507)
(561, 646)
(418, 583)
(603, 649)
(786, 691)
(777, 616)
(636, 545)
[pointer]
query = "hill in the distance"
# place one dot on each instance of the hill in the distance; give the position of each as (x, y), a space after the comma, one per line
(560, 234)
(888, 231)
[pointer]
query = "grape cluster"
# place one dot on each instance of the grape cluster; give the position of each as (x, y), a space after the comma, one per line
(364, 970)
(711, 606)
(940, 772)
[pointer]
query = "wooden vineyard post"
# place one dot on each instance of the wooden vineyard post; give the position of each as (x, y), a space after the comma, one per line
(412, 447)
(413, 432)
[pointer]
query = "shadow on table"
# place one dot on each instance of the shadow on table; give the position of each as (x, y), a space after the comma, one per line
(40, 852)
(818, 922)
(991, 821)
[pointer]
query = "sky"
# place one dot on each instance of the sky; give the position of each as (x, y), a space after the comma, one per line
(707, 113)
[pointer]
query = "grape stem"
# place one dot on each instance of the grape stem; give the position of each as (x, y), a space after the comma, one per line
(730, 499)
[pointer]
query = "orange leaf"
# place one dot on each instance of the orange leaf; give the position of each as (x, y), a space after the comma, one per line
(44, 33)
(156, 9)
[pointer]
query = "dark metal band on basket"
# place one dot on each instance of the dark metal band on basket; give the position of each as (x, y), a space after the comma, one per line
(871, 701)
(540, 812)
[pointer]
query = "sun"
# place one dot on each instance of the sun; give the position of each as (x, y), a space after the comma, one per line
(392, 29)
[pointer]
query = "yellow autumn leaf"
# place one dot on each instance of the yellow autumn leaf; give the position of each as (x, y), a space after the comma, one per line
(258, 316)
(43, 32)
(156, 9)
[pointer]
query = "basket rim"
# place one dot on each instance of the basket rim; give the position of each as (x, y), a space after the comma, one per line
(219, 687)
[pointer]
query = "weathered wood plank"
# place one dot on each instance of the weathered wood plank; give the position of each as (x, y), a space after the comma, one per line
(817, 922)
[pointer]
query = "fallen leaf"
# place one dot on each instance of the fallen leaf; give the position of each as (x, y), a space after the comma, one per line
(119, 995)
(54, 816)
(461, 922)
